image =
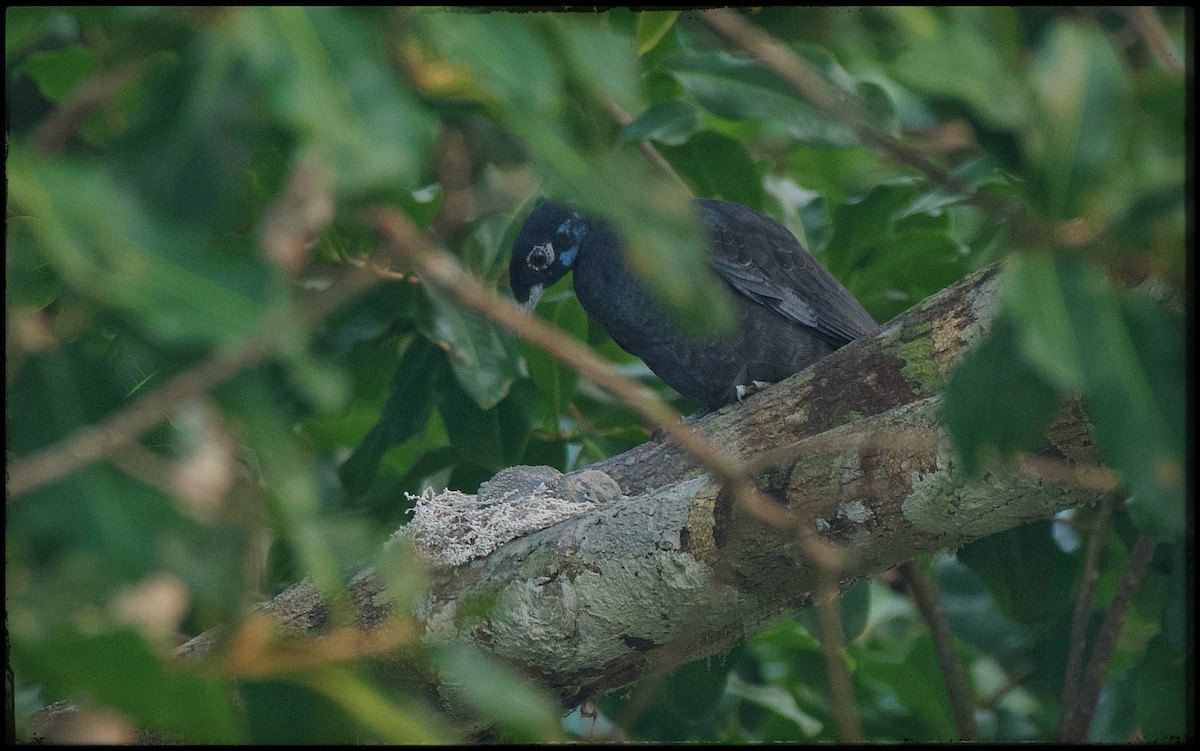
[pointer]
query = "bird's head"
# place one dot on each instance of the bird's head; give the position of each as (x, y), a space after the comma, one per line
(546, 248)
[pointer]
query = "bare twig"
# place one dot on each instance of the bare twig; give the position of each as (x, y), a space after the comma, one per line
(841, 696)
(52, 134)
(1099, 478)
(121, 428)
(1154, 34)
(842, 107)
(621, 117)
(924, 594)
(1096, 538)
(1138, 560)
(808, 82)
(453, 163)
(991, 700)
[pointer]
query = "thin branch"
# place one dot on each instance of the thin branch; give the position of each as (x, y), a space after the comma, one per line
(622, 118)
(1099, 478)
(844, 108)
(1154, 34)
(122, 427)
(841, 695)
(1136, 564)
(809, 83)
(1096, 538)
(924, 594)
(52, 134)
(453, 164)
(990, 701)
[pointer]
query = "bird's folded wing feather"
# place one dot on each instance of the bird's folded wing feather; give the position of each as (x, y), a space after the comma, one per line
(763, 261)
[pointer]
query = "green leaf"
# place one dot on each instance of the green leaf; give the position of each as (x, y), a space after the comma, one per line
(973, 614)
(1115, 720)
(1032, 295)
(1079, 82)
(652, 26)
(409, 404)
(481, 353)
(1126, 354)
(996, 400)
(671, 122)
(778, 702)
(917, 684)
(598, 55)
(324, 75)
(554, 379)
(1133, 358)
(286, 713)
(959, 57)
(57, 72)
(473, 432)
(500, 694)
(118, 669)
(739, 89)
(1161, 685)
(104, 242)
(1030, 579)
(510, 64)
(717, 166)
(854, 608)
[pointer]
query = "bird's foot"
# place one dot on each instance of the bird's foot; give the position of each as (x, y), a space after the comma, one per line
(659, 434)
(744, 391)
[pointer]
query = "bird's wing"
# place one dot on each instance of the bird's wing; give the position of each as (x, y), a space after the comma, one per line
(763, 261)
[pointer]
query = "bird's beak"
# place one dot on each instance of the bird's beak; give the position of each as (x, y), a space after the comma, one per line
(535, 294)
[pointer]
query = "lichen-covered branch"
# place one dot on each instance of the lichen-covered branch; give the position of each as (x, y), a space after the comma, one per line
(677, 569)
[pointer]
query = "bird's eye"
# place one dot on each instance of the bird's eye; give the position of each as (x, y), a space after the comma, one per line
(540, 258)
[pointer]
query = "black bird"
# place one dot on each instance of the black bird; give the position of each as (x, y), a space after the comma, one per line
(788, 310)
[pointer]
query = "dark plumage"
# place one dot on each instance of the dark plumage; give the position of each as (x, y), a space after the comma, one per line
(789, 310)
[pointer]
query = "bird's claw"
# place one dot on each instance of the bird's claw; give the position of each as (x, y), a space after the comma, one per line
(742, 390)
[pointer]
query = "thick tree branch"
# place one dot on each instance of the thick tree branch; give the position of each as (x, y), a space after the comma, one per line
(678, 570)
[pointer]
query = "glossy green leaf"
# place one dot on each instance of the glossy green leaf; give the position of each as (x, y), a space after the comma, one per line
(410, 400)
(480, 352)
(652, 26)
(671, 122)
(1135, 377)
(918, 685)
(285, 713)
(600, 56)
(509, 63)
(973, 613)
(102, 240)
(1033, 295)
(1161, 688)
(739, 89)
(854, 609)
(717, 166)
(958, 58)
(315, 65)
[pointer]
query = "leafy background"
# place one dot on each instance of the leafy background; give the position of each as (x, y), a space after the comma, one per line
(143, 240)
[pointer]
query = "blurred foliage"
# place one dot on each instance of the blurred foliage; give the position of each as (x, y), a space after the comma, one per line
(135, 250)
